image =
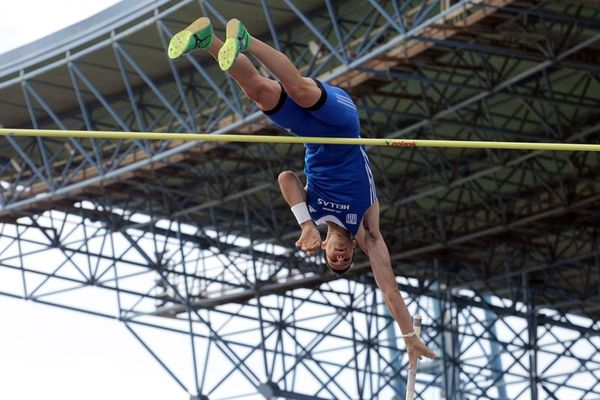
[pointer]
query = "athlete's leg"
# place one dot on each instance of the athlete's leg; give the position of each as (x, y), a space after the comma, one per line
(304, 91)
(199, 35)
(263, 91)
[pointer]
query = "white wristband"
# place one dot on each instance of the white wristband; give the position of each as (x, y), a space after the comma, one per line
(301, 213)
(408, 335)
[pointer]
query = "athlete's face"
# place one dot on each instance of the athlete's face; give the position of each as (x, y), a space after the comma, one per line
(339, 251)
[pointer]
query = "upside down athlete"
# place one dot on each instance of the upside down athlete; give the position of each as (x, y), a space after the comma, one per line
(340, 190)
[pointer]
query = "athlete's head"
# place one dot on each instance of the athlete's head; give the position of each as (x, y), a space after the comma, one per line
(338, 250)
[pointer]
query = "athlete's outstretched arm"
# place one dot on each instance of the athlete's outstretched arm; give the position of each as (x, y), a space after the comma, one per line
(371, 242)
(295, 195)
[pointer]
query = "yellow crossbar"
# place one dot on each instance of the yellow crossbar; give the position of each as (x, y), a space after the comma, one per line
(400, 143)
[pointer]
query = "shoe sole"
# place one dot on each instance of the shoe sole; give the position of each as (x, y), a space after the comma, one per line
(229, 51)
(180, 42)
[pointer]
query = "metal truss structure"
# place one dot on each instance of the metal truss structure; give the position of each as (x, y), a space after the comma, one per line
(499, 250)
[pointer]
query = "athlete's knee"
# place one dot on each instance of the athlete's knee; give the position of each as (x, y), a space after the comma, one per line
(286, 177)
(304, 92)
(262, 90)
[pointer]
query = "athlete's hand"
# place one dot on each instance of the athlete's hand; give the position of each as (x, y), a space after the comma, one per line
(417, 350)
(310, 239)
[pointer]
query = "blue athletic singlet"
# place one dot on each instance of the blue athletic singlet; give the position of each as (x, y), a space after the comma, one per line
(340, 185)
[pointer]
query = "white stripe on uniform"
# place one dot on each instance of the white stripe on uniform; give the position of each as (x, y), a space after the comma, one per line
(370, 176)
(345, 101)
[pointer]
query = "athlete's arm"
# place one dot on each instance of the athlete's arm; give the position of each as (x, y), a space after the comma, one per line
(294, 194)
(371, 242)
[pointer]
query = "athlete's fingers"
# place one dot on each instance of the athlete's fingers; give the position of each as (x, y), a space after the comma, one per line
(431, 354)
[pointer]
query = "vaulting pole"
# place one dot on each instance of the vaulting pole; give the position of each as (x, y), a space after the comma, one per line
(412, 372)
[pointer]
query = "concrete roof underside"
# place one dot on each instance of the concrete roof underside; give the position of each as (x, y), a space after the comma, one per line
(498, 70)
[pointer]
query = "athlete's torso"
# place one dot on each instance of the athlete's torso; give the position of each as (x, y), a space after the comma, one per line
(340, 186)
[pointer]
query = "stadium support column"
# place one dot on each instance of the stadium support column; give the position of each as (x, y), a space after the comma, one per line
(531, 336)
(445, 311)
(495, 351)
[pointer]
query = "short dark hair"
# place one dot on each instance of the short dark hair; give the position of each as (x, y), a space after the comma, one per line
(338, 272)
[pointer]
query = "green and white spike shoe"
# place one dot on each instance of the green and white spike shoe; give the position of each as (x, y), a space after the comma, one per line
(237, 41)
(198, 35)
